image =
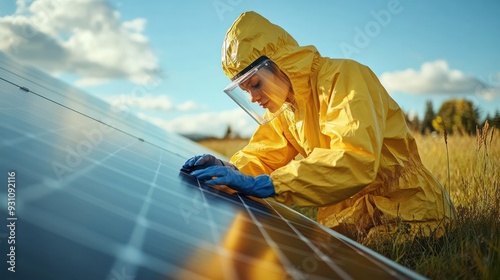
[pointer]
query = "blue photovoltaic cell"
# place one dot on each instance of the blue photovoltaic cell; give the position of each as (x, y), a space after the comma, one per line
(99, 195)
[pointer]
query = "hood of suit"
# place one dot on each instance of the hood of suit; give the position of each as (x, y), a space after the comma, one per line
(252, 36)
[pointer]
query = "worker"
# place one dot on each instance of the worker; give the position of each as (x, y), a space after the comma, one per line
(358, 160)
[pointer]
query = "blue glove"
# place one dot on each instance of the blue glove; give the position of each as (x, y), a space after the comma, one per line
(204, 161)
(260, 186)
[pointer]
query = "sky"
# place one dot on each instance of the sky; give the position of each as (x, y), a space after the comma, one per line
(161, 60)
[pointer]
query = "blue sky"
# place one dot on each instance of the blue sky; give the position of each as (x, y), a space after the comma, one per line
(161, 59)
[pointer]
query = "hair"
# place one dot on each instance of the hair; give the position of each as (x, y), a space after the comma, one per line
(275, 70)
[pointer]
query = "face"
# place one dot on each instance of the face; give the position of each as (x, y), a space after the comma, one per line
(268, 89)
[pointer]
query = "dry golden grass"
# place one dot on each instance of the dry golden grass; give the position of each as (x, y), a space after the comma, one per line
(468, 167)
(224, 147)
(472, 250)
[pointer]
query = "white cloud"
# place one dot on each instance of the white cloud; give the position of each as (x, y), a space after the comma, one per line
(188, 106)
(136, 25)
(151, 102)
(432, 77)
(209, 123)
(147, 102)
(82, 37)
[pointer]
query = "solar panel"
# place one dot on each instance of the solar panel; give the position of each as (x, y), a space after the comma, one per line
(91, 192)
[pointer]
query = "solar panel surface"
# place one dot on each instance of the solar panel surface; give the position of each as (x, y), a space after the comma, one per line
(98, 195)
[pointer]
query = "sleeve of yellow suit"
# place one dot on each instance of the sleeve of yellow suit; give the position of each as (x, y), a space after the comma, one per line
(267, 150)
(352, 112)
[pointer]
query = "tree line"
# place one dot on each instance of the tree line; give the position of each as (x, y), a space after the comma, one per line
(456, 116)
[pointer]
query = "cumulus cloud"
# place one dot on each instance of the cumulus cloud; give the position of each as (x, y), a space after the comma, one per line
(209, 123)
(82, 37)
(151, 102)
(188, 106)
(432, 77)
(495, 79)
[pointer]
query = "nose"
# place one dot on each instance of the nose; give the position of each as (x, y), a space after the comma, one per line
(255, 95)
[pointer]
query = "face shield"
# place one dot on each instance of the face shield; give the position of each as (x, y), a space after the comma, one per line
(262, 90)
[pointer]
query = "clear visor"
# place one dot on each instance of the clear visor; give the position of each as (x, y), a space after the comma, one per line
(262, 92)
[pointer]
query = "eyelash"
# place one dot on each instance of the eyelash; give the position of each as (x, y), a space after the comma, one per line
(257, 85)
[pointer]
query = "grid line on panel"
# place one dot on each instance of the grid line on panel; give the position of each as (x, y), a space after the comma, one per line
(105, 123)
(53, 184)
(375, 259)
(138, 257)
(29, 136)
(42, 86)
(139, 231)
(78, 112)
(48, 186)
(142, 156)
(58, 83)
(237, 255)
(368, 255)
(35, 109)
(27, 90)
(323, 257)
(90, 239)
(59, 87)
(7, 108)
(227, 269)
(289, 268)
(300, 234)
(105, 205)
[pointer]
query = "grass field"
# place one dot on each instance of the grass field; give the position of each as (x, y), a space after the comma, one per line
(468, 167)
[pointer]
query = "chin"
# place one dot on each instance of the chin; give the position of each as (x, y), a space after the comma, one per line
(273, 108)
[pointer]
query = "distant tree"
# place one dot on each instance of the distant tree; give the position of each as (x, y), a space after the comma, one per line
(229, 133)
(412, 122)
(428, 117)
(469, 116)
(495, 122)
(457, 116)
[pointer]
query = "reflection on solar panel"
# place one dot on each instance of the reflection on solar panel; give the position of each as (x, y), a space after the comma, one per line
(91, 192)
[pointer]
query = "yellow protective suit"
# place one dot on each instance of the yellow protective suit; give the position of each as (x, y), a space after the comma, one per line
(360, 161)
